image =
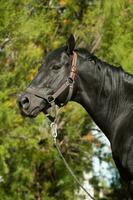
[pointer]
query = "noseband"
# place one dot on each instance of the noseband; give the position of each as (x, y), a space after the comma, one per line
(68, 84)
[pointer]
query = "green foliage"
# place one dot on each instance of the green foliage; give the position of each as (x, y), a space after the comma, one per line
(29, 164)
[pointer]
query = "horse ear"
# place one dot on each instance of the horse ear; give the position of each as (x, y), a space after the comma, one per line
(70, 44)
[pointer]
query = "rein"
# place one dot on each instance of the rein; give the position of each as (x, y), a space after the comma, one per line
(54, 132)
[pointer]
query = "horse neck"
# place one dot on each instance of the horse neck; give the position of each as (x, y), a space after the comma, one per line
(91, 95)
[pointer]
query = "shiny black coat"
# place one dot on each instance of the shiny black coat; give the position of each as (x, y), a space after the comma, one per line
(105, 91)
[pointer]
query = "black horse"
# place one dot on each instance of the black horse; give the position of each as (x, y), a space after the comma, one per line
(105, 91)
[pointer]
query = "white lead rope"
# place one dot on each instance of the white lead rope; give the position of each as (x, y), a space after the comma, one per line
(54, 135)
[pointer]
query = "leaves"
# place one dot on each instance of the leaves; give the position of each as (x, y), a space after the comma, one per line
(29, 164)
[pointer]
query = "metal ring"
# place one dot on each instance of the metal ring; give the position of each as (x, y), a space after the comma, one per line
(50, 99)
(70, 81)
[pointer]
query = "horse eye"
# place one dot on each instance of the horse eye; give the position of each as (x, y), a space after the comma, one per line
(56, 67)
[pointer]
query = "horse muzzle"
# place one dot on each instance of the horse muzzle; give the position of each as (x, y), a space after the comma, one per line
(31, 105)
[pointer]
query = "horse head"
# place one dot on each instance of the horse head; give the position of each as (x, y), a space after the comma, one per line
(54, 82)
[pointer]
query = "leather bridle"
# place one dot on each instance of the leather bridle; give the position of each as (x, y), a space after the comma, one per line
(68, 84)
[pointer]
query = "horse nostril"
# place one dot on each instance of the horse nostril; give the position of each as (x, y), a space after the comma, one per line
(25, 102)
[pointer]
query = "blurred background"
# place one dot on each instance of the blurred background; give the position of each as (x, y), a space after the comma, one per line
(30, 167)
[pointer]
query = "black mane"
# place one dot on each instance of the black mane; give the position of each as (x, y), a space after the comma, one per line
(116, 73)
